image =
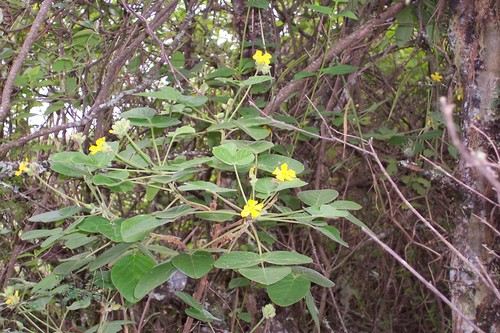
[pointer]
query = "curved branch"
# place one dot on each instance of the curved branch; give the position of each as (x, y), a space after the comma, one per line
(18, 62)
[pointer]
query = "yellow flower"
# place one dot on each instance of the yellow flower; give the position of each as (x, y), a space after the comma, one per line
(254, 209)
(262, 58)
(459, 97)
(100, 145)
(13, 299)
(22, 167)
(436, 77)
(284, 173)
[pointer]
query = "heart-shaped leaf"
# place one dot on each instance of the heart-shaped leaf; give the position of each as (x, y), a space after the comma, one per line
(194, 265)
(265, 275)
(127, 272)
(289, 290)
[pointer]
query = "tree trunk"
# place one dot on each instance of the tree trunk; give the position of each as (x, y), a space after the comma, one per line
(475, 36)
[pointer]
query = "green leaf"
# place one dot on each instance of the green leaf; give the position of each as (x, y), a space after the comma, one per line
(349, 14)
(202, 315)
(128, 271)
(317, 197)
(256, 80)
(266, 186)
(217, 215)
(256, 147)
(199, 185)
(62, 65)
(313, 276)
(98, 224)
(126, 186)
(265, 275)
(155, 122)
(225, 153)
(139, 113)
(406, 26)
(303, 74)
(221, 72)
(238, 282)
(262, 4)
(326, 211)
(194, 265)
(183, 130)
(290, 184)
(136, 228)
(175, 212)
(357, 222)
(238, 259)
(72, 265)
(189, 300)
(289, 290)
(82, 304)
(154, 278)
(332, 233)
(320, 9)
(167, 93)
(56, 215)
(243, 157)
(269, 162)
(109, 256)
(339, 70)
(313, 310)
(41, 233)
(256, 131)
(228, 153)
(343, 204)
(192, 101)
(286, 258)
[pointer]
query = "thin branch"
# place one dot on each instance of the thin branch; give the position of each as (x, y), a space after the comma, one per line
(18, 62)
(421, 278)
(480, 164)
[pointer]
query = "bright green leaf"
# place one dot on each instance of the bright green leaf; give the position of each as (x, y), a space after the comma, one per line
(128, 271)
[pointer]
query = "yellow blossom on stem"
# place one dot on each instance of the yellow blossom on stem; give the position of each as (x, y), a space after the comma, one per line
(283, 174)
(253, 208)
(100, 146)
(22, 167)
(436, 77)
(13, 299)
(262, 58)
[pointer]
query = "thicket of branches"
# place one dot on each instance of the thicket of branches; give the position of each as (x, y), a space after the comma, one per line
(370, 128)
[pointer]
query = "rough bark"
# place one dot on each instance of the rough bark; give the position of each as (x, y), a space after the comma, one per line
(475, 36)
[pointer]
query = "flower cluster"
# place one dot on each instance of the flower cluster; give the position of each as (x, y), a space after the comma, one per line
(262, 60)
(269, 311)
(23, 166)
(253, 209)
(100, 146)
(284, 174)
(11, 297)
(120, 128)
(436, 77)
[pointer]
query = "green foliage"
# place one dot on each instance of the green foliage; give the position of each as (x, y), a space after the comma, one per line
(169, 195)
